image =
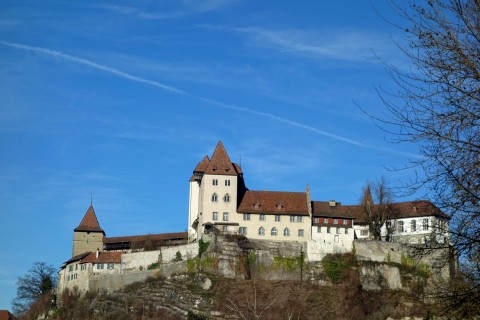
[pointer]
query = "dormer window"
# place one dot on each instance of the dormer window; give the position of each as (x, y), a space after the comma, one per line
(214, 167)
(279, 206)
(257, 205)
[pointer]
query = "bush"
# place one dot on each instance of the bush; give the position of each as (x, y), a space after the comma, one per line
(334, 265)
(202, 247)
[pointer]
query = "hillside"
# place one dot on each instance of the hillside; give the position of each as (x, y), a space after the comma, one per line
(200, 296)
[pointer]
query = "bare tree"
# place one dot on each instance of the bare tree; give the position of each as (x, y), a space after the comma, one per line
(377, 211)
(437, 106)
(38, 282)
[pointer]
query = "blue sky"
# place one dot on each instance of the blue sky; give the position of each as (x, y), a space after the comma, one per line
(120, 100)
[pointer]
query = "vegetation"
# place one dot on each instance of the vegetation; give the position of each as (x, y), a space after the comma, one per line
(35, 288)
(436, 106)
(377, 207)
(335, 265)
(202, 247)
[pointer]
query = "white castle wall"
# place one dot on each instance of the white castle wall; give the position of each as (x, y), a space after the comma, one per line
(141, 260)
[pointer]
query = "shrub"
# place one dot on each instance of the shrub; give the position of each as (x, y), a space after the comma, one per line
(153, 266)
(334, 265)
(202, 247)
(178, 256)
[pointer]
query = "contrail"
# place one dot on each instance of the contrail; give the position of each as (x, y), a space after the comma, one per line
(125, 75)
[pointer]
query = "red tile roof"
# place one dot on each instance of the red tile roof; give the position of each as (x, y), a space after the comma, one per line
(407, 209)
(6, 315)
(161, 237)
(103, 257)
(202, 165)
(274, 202)
(220, 162)
(324, 209)
(89, 222)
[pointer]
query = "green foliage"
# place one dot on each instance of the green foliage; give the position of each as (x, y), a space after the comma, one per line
(388, 258)
(289, 264)
(153, 266)
(191, 264)
(407, 261)
(193, 316)
(178, 256)
(334, 265)
(202, 247)
(423, 270)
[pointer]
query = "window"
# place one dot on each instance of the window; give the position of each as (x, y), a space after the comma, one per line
(299, 218)
(110, 266)
(225, 216)
(344, 221)
(413, 226)
(262, 216)
(83, 267)
(346, 230)
(328, 229)
(292, 218)
(215, 182)
(286, 232)
(300, 232)
(319, 229)
(325, 220)
(76, 266)
(261, 231)
(274, 231)
(425, 224)
(400, 226)
(277, 217)
(246, 216)
(214, 197)
(225, 228)
(243, 230)
(336, 238)
(227, 183)
(338, 230)
(316, 220)
(70, 268)
(364, 233)
(335, 221)
(100, 266)
(215, 216)
(226, 198)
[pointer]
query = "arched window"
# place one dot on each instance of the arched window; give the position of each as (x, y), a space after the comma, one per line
(214, 197)
(226, 198)
(286, 232)
(261, 231)
(274, 231)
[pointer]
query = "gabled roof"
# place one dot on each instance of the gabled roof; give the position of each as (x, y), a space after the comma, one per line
(325, 209)
(202, 165)
(274, 202)
(89, 222)
(406, 209)
(77, 257)
(103, 257)
(220, 162)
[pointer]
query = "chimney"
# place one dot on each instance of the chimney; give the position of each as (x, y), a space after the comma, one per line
(332, 203)
(96, 255)
(309, 201)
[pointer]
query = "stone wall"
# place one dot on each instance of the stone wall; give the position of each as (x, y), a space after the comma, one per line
(138, 261)
(115, 282)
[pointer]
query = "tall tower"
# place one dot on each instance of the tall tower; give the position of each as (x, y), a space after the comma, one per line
(88, 236)
(215, 187)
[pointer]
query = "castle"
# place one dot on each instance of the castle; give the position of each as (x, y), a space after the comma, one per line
(219, 201)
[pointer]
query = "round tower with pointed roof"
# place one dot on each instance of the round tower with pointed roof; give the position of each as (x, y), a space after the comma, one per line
(88, 236)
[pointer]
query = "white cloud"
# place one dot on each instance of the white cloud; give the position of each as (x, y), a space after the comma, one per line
(332, 44)
(159, 85)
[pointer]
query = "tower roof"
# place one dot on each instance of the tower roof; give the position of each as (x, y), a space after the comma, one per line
(89, 222)
(220, 162)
